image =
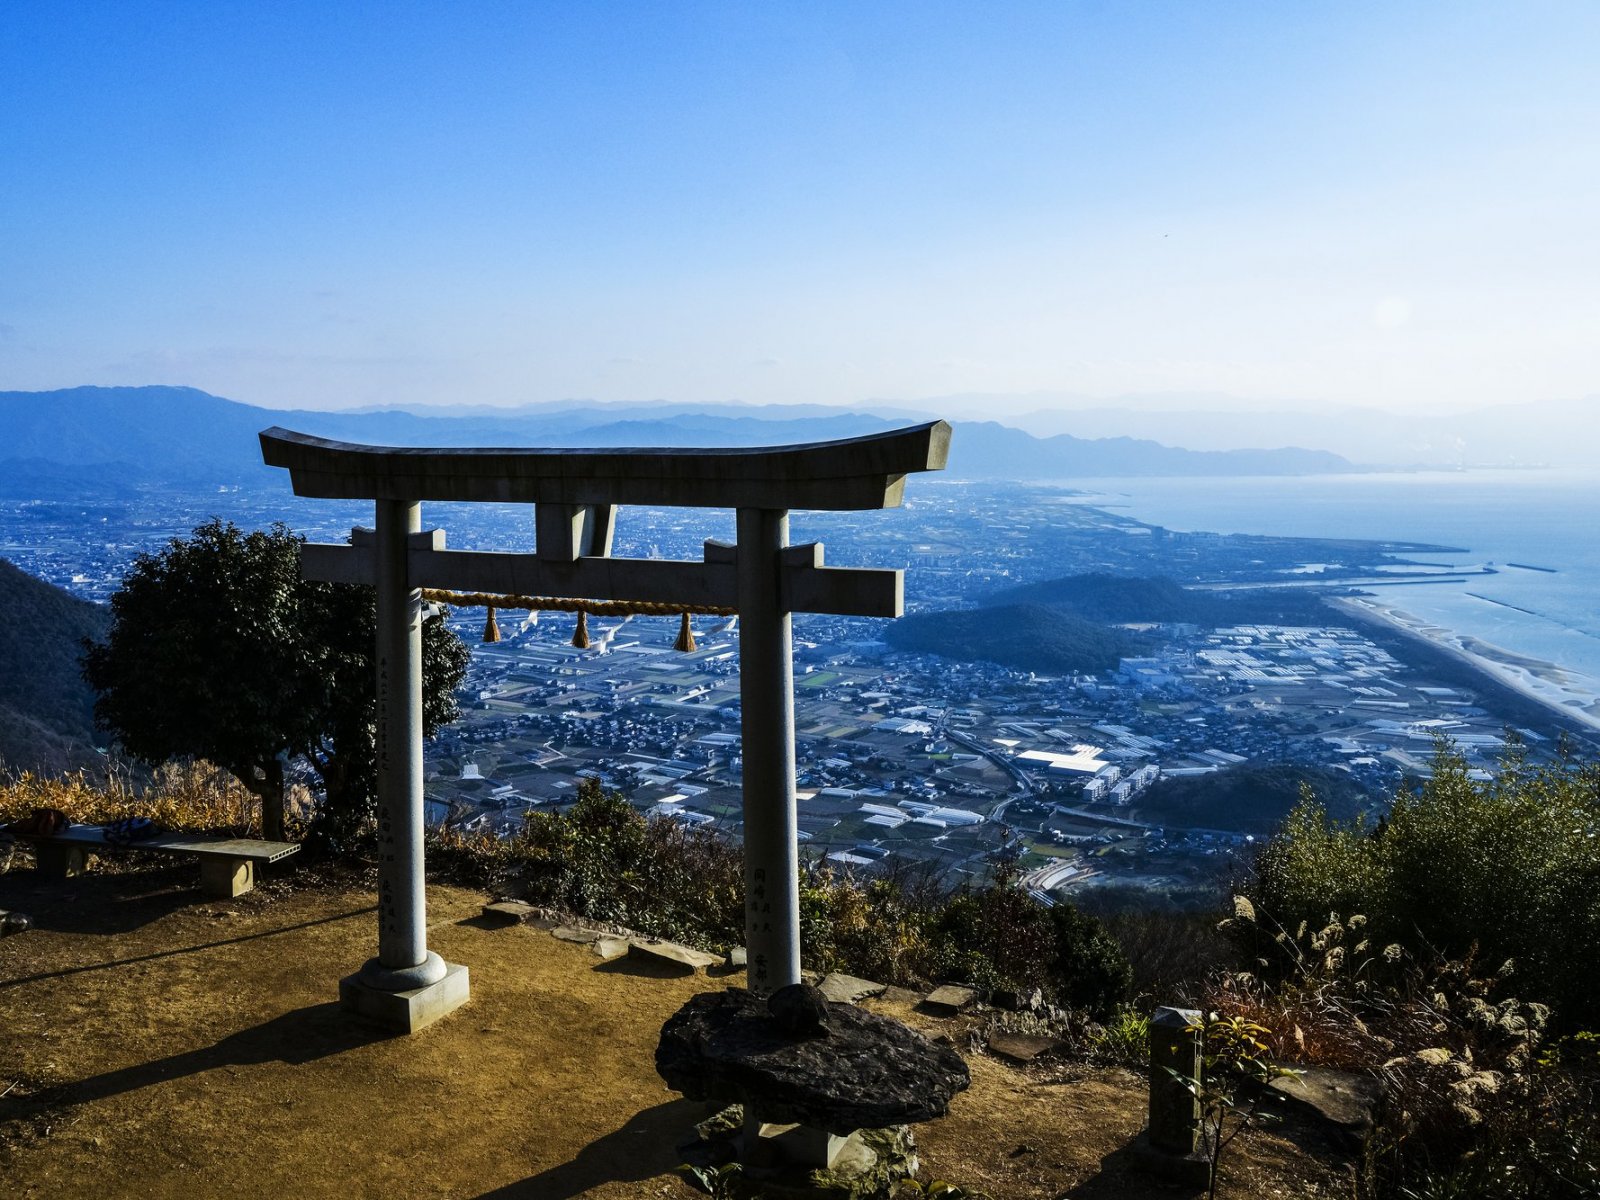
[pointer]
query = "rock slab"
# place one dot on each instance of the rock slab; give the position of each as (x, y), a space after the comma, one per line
(513, 912)
(681, 959)
(870, 1072)
(950, 999)
(1340, 1098)
(1022, 1047)
(847, 989)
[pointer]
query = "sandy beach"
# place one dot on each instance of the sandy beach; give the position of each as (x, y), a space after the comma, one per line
(1573, 696)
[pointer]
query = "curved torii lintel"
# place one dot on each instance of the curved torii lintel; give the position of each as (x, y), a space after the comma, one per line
(850, 473)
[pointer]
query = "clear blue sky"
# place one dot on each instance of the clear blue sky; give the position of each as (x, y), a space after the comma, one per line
(325, 204)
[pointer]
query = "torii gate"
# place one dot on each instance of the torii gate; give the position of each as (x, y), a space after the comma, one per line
(575, 494)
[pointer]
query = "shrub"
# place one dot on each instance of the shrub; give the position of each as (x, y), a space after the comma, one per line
(1090, 970)
(1507, 870)
(604, 860)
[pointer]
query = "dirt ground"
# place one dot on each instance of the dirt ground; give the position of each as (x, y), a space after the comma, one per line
(157, 1043)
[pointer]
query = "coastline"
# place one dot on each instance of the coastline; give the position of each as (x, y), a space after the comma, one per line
(1528, 679)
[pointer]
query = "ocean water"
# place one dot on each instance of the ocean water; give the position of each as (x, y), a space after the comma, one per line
(1545, 518)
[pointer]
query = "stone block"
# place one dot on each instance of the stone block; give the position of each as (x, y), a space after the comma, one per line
(847, 989)
(406, 1012)
(509, 912)
(950, 999)
(1175, 1036)
(1192, 1170)
(227, 877)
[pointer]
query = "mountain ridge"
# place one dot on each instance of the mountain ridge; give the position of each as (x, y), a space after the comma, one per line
(160, 434)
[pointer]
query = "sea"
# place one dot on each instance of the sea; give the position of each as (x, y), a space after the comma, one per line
(1538, 518)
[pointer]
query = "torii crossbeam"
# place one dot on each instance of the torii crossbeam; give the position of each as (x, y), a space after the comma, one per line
(575, 494)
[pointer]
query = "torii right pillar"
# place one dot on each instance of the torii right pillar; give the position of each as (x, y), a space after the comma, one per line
(766, 698)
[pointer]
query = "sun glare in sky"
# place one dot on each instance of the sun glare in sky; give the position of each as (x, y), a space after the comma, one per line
(328, 205)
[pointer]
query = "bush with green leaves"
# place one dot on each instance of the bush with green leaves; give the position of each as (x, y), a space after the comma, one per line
(1506, 869)
(602, 859)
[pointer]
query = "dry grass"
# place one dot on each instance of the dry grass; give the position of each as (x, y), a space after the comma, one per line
(189, 796)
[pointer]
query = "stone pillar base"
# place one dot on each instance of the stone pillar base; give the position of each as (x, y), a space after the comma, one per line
(1193, 1168)
(805, 1147)
(408, 1011)
(796, 1162)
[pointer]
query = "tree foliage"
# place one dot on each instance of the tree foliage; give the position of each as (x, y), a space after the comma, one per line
(219, 649)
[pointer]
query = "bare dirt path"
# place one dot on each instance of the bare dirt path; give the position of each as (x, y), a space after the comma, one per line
(159, 1044)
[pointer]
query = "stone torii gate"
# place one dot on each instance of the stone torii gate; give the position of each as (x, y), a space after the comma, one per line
(575, 494)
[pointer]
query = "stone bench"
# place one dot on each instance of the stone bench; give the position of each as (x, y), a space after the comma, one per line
(227, 865)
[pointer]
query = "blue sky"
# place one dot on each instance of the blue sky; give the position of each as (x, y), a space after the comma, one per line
(1386, 204)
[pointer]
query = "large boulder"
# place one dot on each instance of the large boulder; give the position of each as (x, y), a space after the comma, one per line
(868, 1072)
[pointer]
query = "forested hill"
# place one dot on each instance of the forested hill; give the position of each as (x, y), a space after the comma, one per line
(1131, 598)
(46, 718)
(1028, 637)
(1254, 797)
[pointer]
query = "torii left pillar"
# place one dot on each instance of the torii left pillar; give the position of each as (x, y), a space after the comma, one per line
(407, 985)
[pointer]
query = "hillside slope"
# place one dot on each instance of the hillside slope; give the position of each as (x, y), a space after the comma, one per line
(46, 710)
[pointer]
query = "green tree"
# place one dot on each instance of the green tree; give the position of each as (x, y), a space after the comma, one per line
(218, 649)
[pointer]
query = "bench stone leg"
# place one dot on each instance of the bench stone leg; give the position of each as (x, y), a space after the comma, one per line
(227, 877)
(60, 860)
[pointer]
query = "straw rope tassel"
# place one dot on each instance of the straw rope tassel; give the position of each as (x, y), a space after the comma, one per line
(685, 642)
(580, 635)
(491, 630)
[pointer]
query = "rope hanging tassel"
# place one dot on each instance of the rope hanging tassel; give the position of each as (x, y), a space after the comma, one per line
(685, 642)
(601, 608)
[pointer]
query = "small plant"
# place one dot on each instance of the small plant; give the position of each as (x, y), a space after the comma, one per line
(1125, 1038)
(937, 1190)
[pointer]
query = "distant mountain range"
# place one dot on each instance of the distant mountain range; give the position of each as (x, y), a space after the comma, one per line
(138, 435)
(1546, 432)
(46, 710)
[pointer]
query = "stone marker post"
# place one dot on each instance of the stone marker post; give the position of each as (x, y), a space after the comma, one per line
(1172, 1143)
(1174, 1109)
(766, 700)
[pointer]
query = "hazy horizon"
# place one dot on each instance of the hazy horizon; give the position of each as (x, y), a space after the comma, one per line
(1256, 209)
